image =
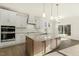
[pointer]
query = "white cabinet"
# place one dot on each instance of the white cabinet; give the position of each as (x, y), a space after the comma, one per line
(21, 20)
(4, 17)
(24, 21)
(12, 18)
(20, 38)
(48, 46)
(20, 24)
(7, 17)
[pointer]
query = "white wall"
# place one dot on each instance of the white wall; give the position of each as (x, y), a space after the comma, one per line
(74, 22)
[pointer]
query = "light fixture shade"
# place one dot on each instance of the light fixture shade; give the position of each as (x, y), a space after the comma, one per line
(44, 15)
(51, 17)
(60, 17)
(57, 20)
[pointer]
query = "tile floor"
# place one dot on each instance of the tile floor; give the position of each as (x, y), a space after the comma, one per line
(54, 54)
(71, 51)
(65, 49)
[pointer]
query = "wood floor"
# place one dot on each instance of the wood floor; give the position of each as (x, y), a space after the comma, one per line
(16, 50)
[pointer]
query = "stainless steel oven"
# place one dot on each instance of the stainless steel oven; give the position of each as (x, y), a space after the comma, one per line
(7, 33)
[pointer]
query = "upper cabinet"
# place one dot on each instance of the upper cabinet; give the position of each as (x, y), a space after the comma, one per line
(12, 18)
(4, 17)
(21, 20)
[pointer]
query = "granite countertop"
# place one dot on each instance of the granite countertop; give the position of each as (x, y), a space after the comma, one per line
(39, 36)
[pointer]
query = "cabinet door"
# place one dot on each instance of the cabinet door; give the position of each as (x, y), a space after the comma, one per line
(7, 17)
(18, 20)
(21, 24)
(38, 48)
(53, 44)
(24, 21)
(58, 42)
(29, 46)
(4, 17)
(21, 20)
(48, 46)
(12, 18)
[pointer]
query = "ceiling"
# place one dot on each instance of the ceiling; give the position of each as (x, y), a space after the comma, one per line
(36, 9)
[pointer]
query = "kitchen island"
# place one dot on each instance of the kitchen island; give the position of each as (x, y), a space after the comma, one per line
(40, 47)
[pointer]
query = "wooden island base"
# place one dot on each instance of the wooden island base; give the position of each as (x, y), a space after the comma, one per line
(39, 48)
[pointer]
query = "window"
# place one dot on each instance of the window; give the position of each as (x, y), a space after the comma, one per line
(68, 30)
(64, 29)
(60, 29)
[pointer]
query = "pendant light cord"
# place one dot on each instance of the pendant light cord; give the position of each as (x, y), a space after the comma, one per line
(43, 7)
(57, 5)
(51, 9)
(57, 9)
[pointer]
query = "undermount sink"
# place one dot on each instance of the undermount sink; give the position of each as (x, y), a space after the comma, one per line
(39, 37)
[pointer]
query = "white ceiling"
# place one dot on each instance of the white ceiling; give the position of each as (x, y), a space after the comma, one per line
(36, 9)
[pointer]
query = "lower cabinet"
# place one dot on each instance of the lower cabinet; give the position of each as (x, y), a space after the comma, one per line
(39, 48)
(34, 47)
(48, 46)
(53, 44)
(16, 50)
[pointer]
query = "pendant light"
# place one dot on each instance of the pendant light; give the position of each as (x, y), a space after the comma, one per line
(57, 18)
(51, 17)
(44, 14)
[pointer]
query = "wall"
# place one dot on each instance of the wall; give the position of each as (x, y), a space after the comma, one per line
(74, 22)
